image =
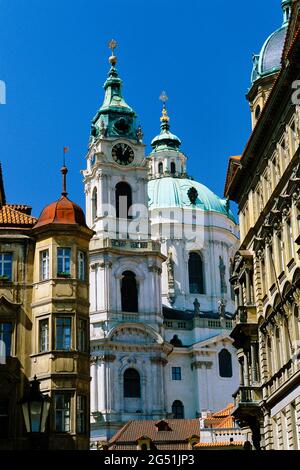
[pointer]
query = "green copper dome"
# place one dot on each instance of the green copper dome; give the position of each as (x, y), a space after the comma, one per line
(165, 140)
(269, 59)
(171, 192)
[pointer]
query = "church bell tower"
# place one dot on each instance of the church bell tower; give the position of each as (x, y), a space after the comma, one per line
(127, 346)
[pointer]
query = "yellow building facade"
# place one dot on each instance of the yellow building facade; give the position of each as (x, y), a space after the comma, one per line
(44, 320)
(265, 182)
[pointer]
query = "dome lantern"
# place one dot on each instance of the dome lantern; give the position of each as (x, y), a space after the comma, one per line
(165, 140)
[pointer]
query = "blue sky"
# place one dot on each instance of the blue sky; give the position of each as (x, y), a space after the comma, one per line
(54, 61)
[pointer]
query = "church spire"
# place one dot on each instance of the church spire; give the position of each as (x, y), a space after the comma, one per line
(165, 126)
(2, 190)
(165, 140)
(115, 118)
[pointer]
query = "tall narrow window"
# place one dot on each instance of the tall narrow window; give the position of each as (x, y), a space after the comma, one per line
(123, 200)
(6, 266)
(82, 335)
(129, 292)
(160, 168)
(225, 363)
(132, 384)
(173, 168)
(81, 265)
(63, 333)
(178, 409)
(196, 274)
(94, 204)
(4, 418)
(290, 240)
(44, 265)
(6, 330)
(81, 414)
(62, 405)
(64, 262)
(43, 335)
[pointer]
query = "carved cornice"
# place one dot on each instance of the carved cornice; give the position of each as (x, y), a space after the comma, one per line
(201, 365)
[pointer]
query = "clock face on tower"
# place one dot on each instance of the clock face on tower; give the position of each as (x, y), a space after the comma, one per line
(122, 154)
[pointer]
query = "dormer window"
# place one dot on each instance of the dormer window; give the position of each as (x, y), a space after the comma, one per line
(162, 426)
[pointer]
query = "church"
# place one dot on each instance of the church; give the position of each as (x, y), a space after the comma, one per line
(160, 298)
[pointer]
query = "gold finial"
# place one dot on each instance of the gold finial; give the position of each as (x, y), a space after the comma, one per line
(164, 98)
(112, 45)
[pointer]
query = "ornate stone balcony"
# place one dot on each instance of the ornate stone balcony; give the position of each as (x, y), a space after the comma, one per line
(134, 245)
(247, 401)
(245, 323)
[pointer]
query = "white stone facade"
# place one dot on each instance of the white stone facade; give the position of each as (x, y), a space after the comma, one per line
(162, 358)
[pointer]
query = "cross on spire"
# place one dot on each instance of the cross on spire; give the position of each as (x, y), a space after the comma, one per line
(113, 45)
(164, 118)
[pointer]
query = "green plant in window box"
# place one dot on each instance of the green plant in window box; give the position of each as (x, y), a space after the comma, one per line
(64, 275)
(4, 277)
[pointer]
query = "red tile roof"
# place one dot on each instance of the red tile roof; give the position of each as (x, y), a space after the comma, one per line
(181, 430)
(11, 217)
(219, 444)
(225, 412)
(221, 419)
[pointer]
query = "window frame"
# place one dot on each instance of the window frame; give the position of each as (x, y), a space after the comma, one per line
(3, 263)
(181, 406)
(47, 263)
(176, 373)
(11, 340)
(58, 318)
(128, 387)
(81, 418)
(40, 321)
(83, 348)
(65, 414)
(200, 277)
(226, 366)
(81, 265)
(63, 257)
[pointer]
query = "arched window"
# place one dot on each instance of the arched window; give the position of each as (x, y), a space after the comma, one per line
(196, 274)
(123, 200)
(160, 168)
(132, 384)
(173, 168)
(94, 204)
(129, 292)
(225, 363)
(178, 409)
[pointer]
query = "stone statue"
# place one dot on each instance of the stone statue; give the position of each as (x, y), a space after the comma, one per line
(222, 269)
(221, 307)
(170, 267)
(196, 304)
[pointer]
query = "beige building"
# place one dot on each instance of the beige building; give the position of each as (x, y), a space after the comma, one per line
(44, 319)
(264, 182)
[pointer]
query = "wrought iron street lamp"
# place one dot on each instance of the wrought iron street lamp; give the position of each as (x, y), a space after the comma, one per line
(35, 406)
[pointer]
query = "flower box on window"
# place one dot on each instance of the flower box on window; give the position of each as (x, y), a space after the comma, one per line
(4, 277)
(64, 275)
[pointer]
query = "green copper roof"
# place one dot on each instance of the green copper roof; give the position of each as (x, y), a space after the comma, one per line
(268, 61)
(173, 192)
(165, 140)
(115, 117)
